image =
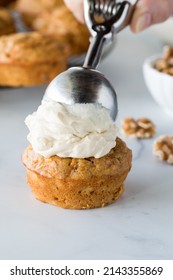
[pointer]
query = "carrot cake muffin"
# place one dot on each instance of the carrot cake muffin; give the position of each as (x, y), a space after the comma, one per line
(62, 24)
(7, 24)
(75, 159)
(5, 2)
(31, 8)
(28, 59)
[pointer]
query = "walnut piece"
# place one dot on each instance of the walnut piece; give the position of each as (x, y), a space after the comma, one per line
(163, 148)
(140, 128)
(165, 64)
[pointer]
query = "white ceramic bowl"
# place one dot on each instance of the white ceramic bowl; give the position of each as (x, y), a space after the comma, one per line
(159, 84)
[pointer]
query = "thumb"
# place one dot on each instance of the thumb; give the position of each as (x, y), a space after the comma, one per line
(149, 12)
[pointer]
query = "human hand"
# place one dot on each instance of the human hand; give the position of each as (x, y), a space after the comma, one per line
(147, 12)
(76, 6)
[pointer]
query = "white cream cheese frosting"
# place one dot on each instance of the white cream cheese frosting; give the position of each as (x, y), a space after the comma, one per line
(78, 131)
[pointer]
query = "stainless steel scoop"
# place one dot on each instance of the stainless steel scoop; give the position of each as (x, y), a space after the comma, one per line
(85, 84)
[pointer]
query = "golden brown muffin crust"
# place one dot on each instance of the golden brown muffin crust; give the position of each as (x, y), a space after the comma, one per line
(34, 7)
(31, 59)
(62, 24)
(27, 48)
(78, 183)
(7, 25)
(31, 74)
(76, 194)
(37, 6)
(50, 4)
(78, 168)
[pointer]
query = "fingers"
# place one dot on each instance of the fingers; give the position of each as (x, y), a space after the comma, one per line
(76, 6)
(149, 12)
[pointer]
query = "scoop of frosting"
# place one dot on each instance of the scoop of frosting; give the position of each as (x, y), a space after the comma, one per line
(78, 131)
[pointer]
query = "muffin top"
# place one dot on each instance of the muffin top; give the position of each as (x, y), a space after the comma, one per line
(50, 4)
(37, 6)
(61, 22)
(117, 160)
(32, 47)
(6, 20)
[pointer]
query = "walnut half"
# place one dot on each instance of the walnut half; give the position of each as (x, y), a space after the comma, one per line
(165, 64)
(140, 128)
(163, 148)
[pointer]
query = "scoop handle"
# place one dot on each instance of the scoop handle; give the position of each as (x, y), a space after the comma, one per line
(126, 16)
(94, 52)
(101, 33)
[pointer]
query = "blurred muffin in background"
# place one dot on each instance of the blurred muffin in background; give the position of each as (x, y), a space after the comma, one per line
(7, 24)
(30, 9)
(5, 2)
(29, 59)
(61, 24)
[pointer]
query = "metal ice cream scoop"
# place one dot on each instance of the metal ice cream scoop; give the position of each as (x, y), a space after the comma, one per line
(86, 84)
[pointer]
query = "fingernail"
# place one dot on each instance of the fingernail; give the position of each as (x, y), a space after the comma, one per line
(143, 22)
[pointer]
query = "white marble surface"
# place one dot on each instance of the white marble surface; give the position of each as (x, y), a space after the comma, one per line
(138, 226)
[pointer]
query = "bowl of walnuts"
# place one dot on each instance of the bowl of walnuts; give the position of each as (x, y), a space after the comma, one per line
(158, 75)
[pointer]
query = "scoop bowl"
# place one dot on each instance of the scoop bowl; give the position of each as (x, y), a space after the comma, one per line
(83, 85)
